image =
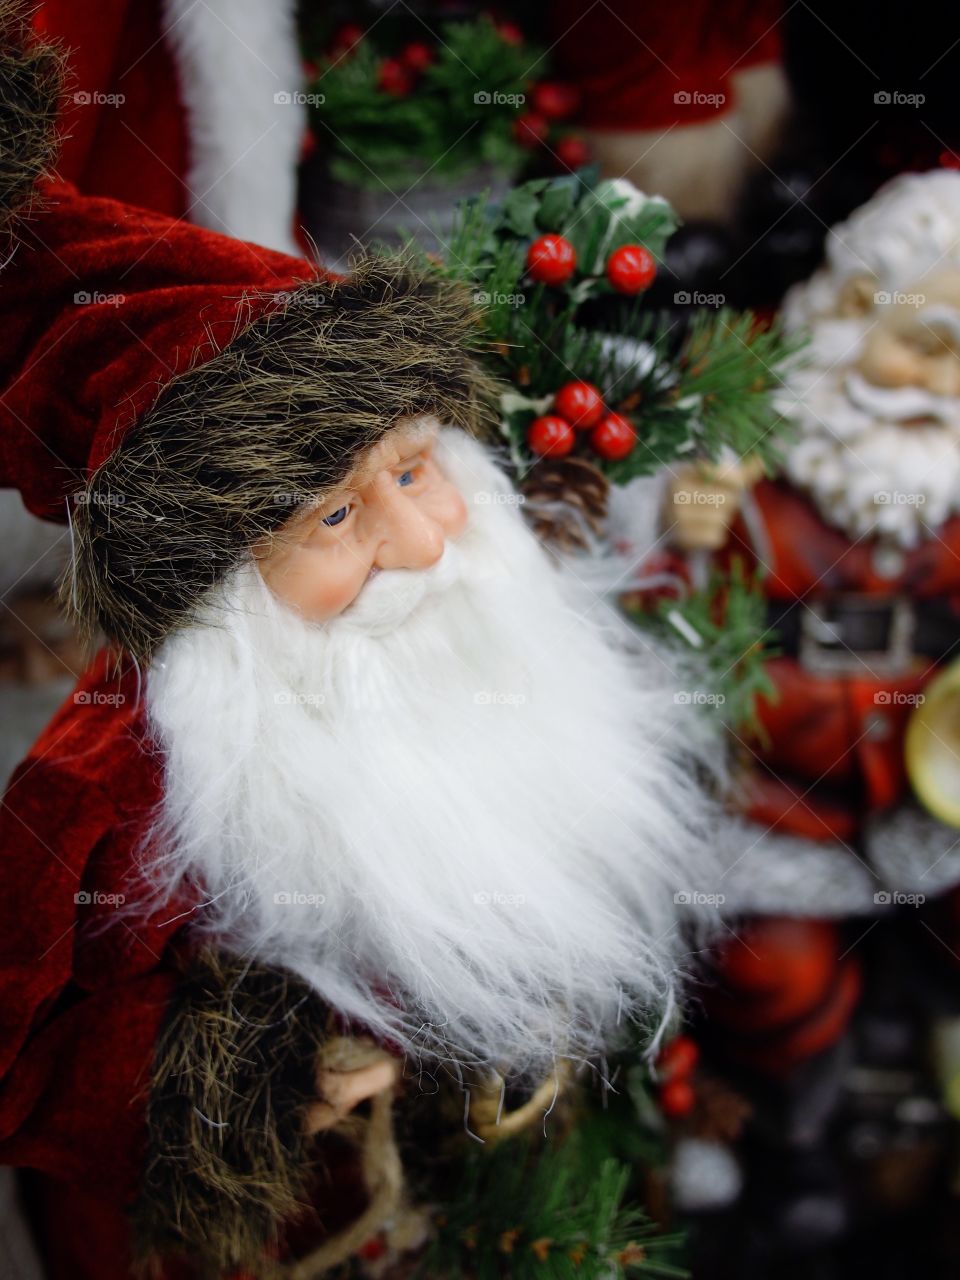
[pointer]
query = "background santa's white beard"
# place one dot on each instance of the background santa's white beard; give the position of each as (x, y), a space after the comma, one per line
(467, 831)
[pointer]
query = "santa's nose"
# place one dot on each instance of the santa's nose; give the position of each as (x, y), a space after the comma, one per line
(410, 539)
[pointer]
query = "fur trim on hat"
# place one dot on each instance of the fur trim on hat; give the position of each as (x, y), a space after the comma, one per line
(237, 444)
(228, 1159)
(31, 82)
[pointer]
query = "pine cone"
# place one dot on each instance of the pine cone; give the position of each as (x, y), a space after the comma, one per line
(721, 1111)
(566, 501)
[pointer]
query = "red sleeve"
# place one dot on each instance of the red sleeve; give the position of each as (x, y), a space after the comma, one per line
(83, 985)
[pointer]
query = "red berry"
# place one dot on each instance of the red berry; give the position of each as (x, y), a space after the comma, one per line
(550, 436)
(417, 56)
(631, 268)
(374, 1248)
(580, 403)
(677, 1098)
(613, 437)
(572, 152)
(551, 260)
(530, 130)
(393, 77)
(509, 33)
(554, 100)
(345, 40)
(678, 1058)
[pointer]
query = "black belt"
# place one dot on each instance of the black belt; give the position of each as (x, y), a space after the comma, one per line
(860, 634)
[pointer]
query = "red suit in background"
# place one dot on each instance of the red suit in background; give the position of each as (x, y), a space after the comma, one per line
(187, 109)
(858, 548)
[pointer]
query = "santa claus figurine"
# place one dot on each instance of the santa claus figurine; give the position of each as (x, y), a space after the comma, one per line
(857, 546)
(364, 786)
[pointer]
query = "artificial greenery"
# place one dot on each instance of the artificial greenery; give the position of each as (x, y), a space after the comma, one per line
(711, 393)
(546, 1217)
(459, 114)
(724, 628)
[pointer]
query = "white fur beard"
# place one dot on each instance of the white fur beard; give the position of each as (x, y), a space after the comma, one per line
(868, 475)
(466, 827)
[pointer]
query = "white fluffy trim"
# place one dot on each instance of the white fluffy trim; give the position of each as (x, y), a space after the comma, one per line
(240, 77)
(914, 852)
(769, 873)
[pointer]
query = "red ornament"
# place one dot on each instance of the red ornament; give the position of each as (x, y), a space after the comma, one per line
(631, 268)
(394, 78)
(417, 56)
(572, 152)
(613, 437)
(580, 403)
(551, 260)
(677, 1098)
(345, 40)
(530, 130)
(509, 33)
(678, 1058)
(374, 1248)
(550, 436)
(554, 100)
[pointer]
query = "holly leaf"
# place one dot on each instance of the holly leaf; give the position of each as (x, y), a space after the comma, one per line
(557, 204)
(521, 206)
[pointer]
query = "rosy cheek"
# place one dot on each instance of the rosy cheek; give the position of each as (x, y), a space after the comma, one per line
(318, 584)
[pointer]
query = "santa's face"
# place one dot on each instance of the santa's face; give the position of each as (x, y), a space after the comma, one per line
(914, 338)
(878, 410)
(395, 510)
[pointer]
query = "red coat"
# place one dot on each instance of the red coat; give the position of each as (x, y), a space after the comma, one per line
(835, 740)
(83, 990)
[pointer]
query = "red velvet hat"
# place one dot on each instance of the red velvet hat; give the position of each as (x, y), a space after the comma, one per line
(176, 394)
(100, 307)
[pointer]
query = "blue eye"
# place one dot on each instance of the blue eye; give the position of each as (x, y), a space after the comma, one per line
(337, 517)
(405, 479)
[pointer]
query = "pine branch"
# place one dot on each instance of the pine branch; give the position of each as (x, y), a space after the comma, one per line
(551, 1214)
(729, 617)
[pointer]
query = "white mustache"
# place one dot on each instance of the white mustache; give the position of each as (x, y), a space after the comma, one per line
(391, 595)
(898, 404)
